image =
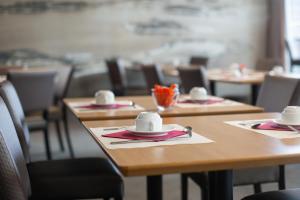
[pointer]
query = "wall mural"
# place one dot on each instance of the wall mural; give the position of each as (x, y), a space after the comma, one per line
(168, 31)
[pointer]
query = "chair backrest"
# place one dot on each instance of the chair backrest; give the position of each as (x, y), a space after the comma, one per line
(35, 89)
(117, 75)
(199, 60)
(193, 77)
(12, 101)
(153, 75)
(14, 178)
(276, 93)
(266, 64)
(295, 100)
(62, 81)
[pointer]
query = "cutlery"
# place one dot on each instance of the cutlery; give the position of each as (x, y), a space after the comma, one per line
(188, 129)
(113, 128)
(294, 129)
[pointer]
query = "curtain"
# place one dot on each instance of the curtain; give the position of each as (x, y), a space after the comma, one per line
(275, 38)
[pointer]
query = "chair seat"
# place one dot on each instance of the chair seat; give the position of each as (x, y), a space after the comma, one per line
(36, 122)
(256, 175)
(54, 113)
(293, 194)
(74, 178)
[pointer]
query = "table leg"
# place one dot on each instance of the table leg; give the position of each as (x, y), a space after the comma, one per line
(212, 85)
(154, 187)
(66, 125)
(220, 185)
(254, 93)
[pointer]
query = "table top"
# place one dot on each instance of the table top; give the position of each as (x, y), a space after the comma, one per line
(233, 148)
(222, 75)
(148, 104)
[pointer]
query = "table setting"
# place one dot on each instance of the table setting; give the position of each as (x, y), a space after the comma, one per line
(148, 131)
(286, 126)
(105, 100)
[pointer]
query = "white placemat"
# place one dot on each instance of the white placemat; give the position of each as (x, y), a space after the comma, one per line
(246, 124)
(195, 139)
(222, 103)
(76, 105)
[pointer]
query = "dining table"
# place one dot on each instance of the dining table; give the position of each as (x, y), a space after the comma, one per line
(251, 77)
(231, 147)
(146, 103)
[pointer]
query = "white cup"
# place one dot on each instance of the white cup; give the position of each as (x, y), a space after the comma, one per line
(105, 97)
(148, 121)
(291, 114)
(198, 93)
(277, 70)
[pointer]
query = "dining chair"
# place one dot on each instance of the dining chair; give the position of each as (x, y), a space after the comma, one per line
(83, 178)
(57, 112)
(294, 52)
(199, 60)
(35, 91)
(193, 77)
(275, 94)
(153, 75)
(117, 75)
(291, 194)
(266, 64)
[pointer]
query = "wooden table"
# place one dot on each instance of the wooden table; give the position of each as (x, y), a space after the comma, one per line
(147, 103)
(252, 77)
(234, 148)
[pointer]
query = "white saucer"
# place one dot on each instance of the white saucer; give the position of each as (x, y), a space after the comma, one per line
(164, 131)
(281, 122)
(98, 104)
(200, 99)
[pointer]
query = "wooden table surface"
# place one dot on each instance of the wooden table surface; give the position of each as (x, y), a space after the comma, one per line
(233, 148)
(147, 103)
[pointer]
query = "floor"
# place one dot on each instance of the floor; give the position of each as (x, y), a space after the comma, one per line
(135, 187)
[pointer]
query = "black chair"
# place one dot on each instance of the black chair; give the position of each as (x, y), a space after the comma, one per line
(59, 179)
(266, 64)
(199, 61)
(292, 194)
(117, 76)
(193, 77)
(272, 101)
(294, 52)
(153, 75)
(36, 92)
(58, 112)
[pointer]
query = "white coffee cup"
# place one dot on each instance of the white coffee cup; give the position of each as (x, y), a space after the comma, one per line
(148, 121)
(278, 70)
(198, 93)
(291, 114)
(105, 97)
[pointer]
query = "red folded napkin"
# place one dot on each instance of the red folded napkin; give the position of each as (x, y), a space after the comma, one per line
(270, 125)
(203, 102)
(128, 135)
(110, 106)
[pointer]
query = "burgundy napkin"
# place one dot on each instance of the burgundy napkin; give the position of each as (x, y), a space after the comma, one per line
(204, 102)
(128, 135)
(110, 106)
(270, 125)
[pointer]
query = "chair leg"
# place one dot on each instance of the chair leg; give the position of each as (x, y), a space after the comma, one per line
(47, 143)
(184, 187)
(257, 188)
(59, 135)
(65, 121)
(205, 193)
(281, 183)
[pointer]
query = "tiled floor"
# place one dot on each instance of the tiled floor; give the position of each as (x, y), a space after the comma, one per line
(135, 188)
